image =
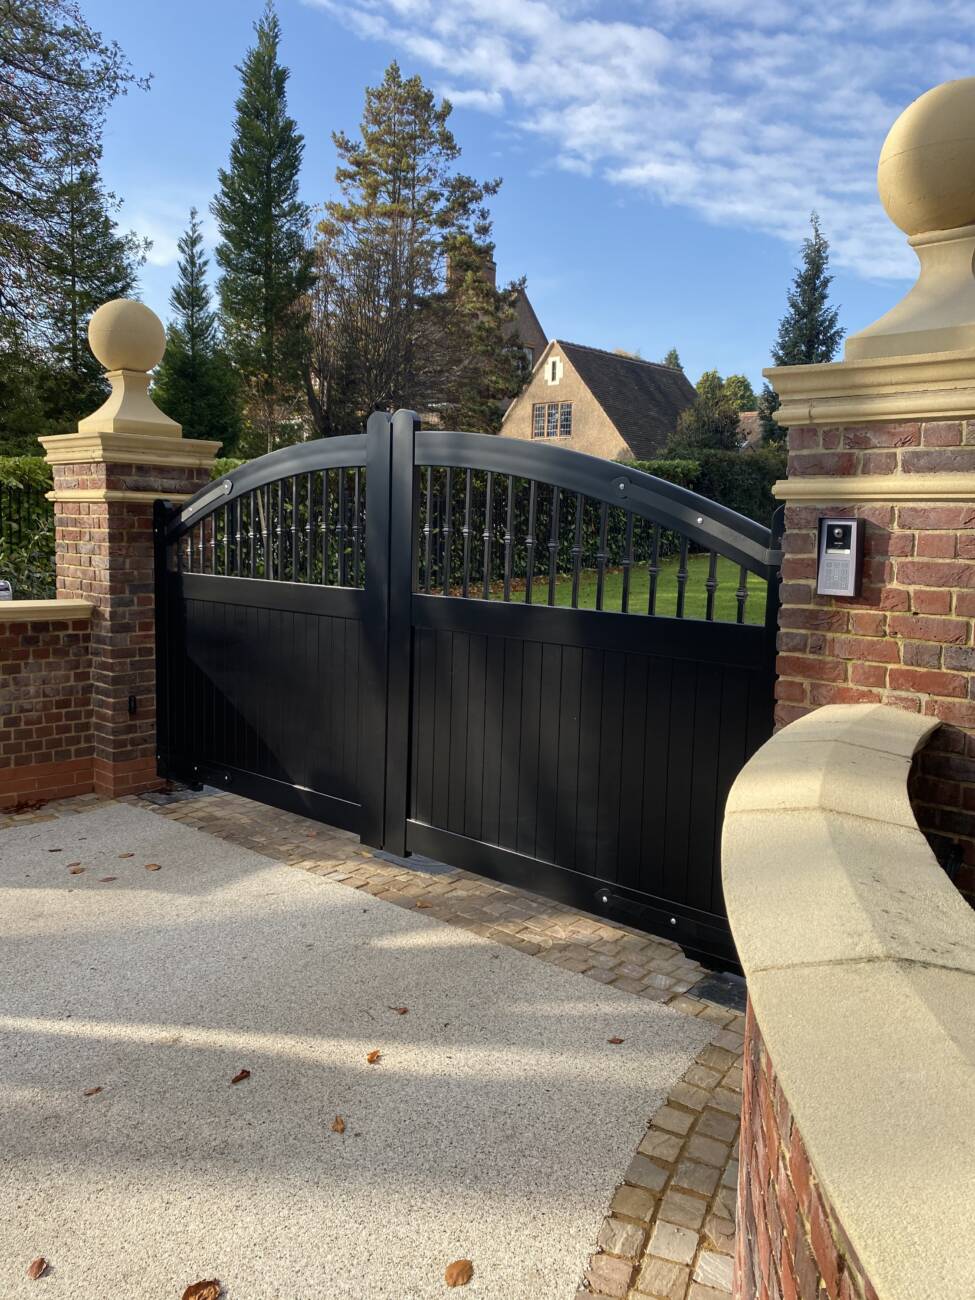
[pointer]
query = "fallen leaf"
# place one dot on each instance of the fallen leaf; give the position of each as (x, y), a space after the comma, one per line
(91, 1092)
(616, 1041)
(459, 1273)
(423, 903)
(126, 855)
(73, 864)
(240, 1076)
(36, 1268)
(75, 871)
(104, 880)
(374, 1056)
(203, 1290)
(400, 1011)
(338, 1124)
(53, 851)
(152, 866)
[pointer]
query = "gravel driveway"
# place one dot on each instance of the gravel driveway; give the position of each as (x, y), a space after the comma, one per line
(493, 1126)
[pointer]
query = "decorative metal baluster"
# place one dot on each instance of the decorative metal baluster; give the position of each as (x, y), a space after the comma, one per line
(267, 533)
(341, 529)
(653, 570)
(188, 544)
(627, 565)
(201, 556)
(530, 541)
(295, 555)
(681, 577)
(577, 551)
(466, 577)
(553, 545)
(428, 532)
(741, 594)
(252, 532)
(356, 527)
(509, 526)
(601, 554)
(279, 532)
(448, 531)
(236, 515)
(213, 543)
(711, 586)
(488, 533)
(309, 516)
(226, 540)
(326, 511)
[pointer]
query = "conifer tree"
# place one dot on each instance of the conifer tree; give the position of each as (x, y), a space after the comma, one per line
(87, 262)
(673, 360)
(262, 254)
(809, 332)
(195, 383)
(739, 392)
(411, 316)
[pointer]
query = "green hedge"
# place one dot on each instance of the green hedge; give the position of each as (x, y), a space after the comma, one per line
(740, 480)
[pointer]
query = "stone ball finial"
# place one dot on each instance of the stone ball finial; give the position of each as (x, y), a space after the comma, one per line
(926, 174)
(126, 335)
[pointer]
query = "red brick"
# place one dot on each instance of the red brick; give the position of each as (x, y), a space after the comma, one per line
(941, 434)
(926, 601)
(868, 674)
(809, 667)
(939, 461)
(871, 649)
(957, 517)
(950, 631)
(882, 435)
(928, 682)
(828, 463)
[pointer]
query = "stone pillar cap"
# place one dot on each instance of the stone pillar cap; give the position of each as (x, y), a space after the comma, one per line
(126, 335)
(926, 179)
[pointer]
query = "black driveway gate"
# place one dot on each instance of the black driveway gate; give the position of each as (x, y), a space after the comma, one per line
(542, 666)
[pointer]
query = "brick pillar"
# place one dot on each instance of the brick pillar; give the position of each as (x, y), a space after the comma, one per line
(907, 640)
(106, 477)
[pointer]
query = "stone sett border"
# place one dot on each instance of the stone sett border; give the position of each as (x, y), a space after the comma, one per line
(669, 1233)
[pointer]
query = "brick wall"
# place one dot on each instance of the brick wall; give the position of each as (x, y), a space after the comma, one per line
(907, 640)
(105, 555)
(790, 1245)
(46, 748)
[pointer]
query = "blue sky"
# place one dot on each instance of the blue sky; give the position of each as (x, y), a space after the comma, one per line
(660, 157)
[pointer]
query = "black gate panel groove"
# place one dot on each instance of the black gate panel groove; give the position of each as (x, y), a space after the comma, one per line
(541, 666)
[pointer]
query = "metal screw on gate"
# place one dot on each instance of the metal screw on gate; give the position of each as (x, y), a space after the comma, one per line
(700, 519)
(673, 920)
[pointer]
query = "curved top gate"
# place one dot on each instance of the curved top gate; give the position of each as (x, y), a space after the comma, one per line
(543, 666)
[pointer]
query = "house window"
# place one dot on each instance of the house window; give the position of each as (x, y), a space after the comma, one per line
(530, 358)
(554, 370)
(552, 420)
(554, 376)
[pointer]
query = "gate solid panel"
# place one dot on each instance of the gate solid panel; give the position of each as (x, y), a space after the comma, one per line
(417, 667)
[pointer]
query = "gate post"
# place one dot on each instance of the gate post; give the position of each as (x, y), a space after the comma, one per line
(386, 627)
(888, 436)
(106, 477)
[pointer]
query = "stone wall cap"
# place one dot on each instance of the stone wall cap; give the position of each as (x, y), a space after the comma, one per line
(36, 611)
(860, 958)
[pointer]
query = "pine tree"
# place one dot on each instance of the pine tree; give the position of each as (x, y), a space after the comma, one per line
(673, 360)
(809, 332)
(87, 262)
(195, 383)
(265, 262)
(410, 316)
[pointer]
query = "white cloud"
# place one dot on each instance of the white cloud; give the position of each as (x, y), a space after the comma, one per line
(749, 112)
(163, 221)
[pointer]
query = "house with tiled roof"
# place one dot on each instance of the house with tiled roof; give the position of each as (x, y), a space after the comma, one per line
(608, 404)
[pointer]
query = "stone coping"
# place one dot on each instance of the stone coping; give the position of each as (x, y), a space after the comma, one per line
(860, 958)
(46, 611)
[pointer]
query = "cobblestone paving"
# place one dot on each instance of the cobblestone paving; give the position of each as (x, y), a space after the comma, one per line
(670, 1228)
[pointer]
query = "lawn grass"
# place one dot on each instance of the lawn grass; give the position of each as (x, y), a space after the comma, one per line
(695, 593)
